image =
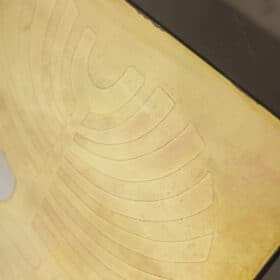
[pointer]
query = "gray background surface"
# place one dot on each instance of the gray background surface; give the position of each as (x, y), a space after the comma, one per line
(7, 180)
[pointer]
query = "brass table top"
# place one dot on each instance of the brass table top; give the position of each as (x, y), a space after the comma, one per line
(133, 158)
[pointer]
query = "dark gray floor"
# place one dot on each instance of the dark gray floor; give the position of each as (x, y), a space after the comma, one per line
(274, 272)
(271, 270)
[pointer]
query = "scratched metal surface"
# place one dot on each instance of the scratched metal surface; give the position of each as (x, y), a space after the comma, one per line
(134, 159)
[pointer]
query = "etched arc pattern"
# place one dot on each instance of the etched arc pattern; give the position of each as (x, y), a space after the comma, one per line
(132, 195)
(20, 81)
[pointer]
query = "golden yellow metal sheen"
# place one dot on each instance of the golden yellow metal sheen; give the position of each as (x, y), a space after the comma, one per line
(133, 158)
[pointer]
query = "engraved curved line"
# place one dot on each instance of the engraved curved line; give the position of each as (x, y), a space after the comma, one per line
(137, 116)
(190, 203)
(75, 86)
(134, 99)
(168, 184)
(89, 210)
(77, 137)
(186, 188)
(68, 87)
(87, 41)
(108, 96)
(69, 184)
(145, 180)
(57, 97)
(71, 210)
(24, 129)
(51, 216)
(148, 219)
(6, 264)
(70, 15)
(134, 200)
(169, 157)
(21, 242)
(154, 138)
(112, 93)
(70, 220)
(49, 232)
(123, 77)
(53, 21)
(177, 249)
(45, 40)
(31, 78)
(130, 126)
(29, 53)
(24, 124)
(46, 224)
(39, 216)
(91, 118)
